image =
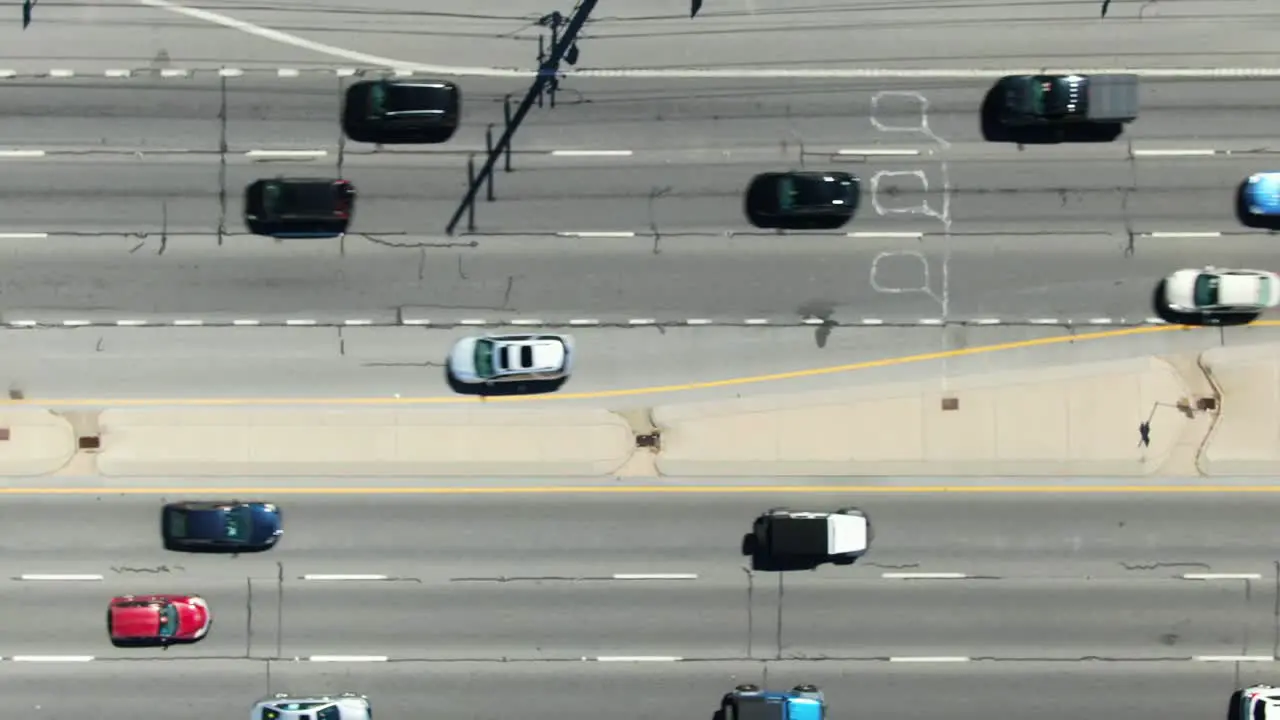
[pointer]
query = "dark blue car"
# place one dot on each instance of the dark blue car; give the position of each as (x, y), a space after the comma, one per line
(227, 527)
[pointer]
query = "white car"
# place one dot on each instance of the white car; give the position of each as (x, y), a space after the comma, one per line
(1259, 702)
(493, 359)
(1217, 290)
(283, 706)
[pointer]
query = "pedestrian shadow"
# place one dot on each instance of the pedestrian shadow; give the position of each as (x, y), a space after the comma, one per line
(503, 389)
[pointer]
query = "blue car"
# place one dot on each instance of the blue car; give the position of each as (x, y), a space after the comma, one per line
(221, 527)
(1260, 199)
(749, 702)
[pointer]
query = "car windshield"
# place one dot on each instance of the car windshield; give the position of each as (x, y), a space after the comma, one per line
(329, 713)
(1266, 290)
(238, 526)
(787, 193)
(177, 523)
(271, 195)
(378, 98)
(1046, 95)
(1206, 290)
(484, 358)
(168, 620)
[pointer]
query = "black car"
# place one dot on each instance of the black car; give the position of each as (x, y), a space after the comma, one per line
(406, 112)
(299, 207)
(802, 200)
(227, 527)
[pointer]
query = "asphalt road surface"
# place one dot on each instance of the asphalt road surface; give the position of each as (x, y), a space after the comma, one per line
(1048, 578)
(1038, 232)
(214, 689)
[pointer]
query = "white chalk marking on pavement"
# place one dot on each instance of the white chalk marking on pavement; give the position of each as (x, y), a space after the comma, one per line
(286, 153)
(230, 72)
(885, 152)
(1184, 234)
(52, 658)
(934, 659)
(1235, 658)
(757, 321)
(637, 658)
(118, 73)
(348, 658)
(54, 577)
(173, 73)
(584, 322)
(520, 321)
(473, 321)
(61, 73)
(323, 576)
(246, 323)
(21, 153)
(592, 153)
(923, 576)
(23, 236)
(357, 321)
(886, 235)
(1174, 153)
(655, 576)
(699, 321)
(597, 234)
(1221, 576)
(188, 323)
(299, 322)
(287, 73)
(642, 321)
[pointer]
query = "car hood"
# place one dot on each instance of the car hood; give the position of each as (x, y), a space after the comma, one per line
(266, 524)
(804, 709)
(135, 622)
(192, 618)
(1180, 287)
(462, 359)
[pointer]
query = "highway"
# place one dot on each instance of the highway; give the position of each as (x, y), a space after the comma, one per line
(1045, 232)
(486, 579)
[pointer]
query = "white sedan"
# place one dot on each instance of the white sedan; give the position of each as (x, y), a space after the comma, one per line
(493, 359)
(1221, 291)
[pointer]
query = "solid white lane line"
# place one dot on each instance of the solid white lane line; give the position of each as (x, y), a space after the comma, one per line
(925, 659)
(286, 153)
(322, 576)
(592, 153)
(637, 658)
(597, 234)
(1235, 658)
(923, 576)
(1175, 153)
(1221, 576)
(58, 577)
(348, 658)
(1184, 234)
(885, 152)
(655, 576)
(22, 153)
(52, 658)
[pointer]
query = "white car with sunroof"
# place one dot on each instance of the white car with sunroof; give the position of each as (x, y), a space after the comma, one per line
(491, 359)
(1221, 291)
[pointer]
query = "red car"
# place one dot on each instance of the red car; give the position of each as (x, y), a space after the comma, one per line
(157, 619)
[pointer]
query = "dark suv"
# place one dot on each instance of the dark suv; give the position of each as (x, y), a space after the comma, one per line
(802, 200)
(299, 207)
(407, 112)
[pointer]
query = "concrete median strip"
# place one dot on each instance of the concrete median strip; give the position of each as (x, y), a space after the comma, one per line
(362, 442)
(34, 442)
(1246, 439)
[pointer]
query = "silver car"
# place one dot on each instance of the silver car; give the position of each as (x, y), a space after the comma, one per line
(491, 359)
(283, 706)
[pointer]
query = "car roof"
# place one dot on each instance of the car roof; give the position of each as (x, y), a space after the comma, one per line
(135, 621)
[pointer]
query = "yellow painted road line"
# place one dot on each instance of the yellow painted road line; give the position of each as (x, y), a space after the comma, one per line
(1030, 489)
(626, 392)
